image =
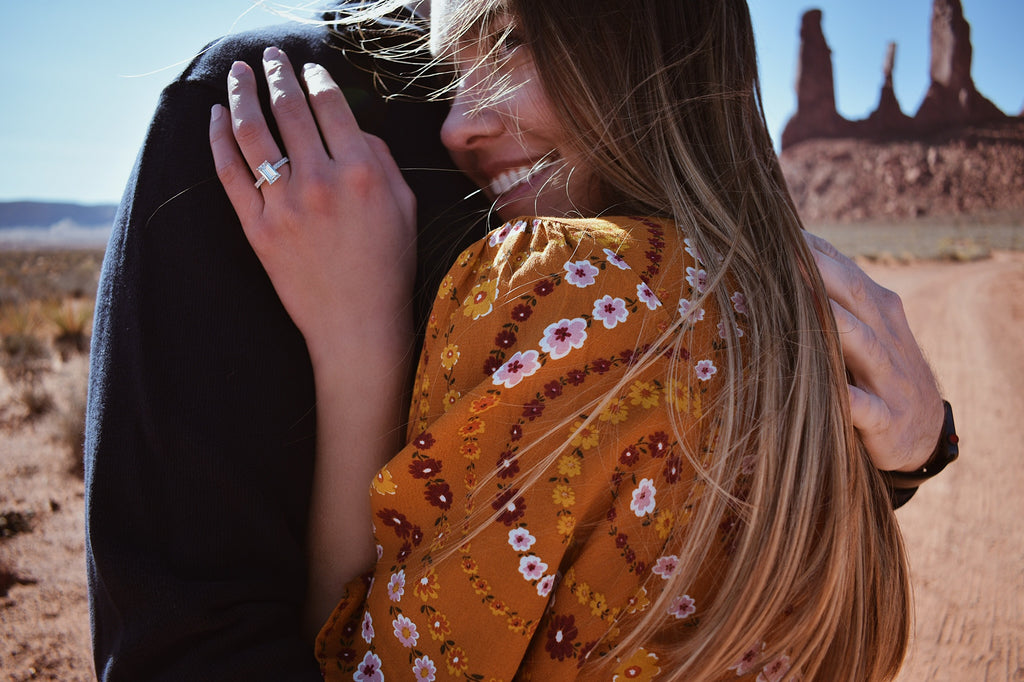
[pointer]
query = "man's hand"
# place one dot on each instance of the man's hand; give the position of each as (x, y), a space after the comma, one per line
(894, 398)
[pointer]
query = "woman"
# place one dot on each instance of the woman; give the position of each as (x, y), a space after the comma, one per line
(629, 452)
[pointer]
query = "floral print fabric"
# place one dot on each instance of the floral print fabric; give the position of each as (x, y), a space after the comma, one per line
(526, 520)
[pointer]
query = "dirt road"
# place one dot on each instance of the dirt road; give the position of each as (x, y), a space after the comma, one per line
(964, 530)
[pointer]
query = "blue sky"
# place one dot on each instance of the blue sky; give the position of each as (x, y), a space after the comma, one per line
(82, 78)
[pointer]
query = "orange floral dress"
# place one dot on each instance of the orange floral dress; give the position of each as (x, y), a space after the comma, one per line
(576, 496)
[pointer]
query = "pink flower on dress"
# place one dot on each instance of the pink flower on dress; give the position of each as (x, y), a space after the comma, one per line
(643, 497)
(687, 310)
(705, 369)
(775, 671)
(692, 250)
(682, 607)
(516, 368)
(520, 539)
(749, 660)
(367, 627)
(368, 669)
(616, 260)
(405, 631)
(424, 669)
(532, 567)
(739, 302)
(645, 294)
(721, 330)
(506, 231)
(545, 585)
(697, 279)
(396, 586)
(666, 566)
(581, 273)
(562, 336)
(610, 311)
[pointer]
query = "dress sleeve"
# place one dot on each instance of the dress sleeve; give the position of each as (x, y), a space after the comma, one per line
(532, 504)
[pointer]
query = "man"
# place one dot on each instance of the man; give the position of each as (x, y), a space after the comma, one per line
(201, 415)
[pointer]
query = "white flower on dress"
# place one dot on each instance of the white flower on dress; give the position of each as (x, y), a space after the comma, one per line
(424, 669)
(643, 497)
(516, 368)
(645, 294)
(520, 539)
(581, 273)
(545, 585)
(405, 631)
(697, 278)
(739, 302)
(532, 567)
(682, 607)
(610, 311)
(705, 369)
(616, 260)
(368, 669)
(506, 231)
(666, 566)
(396, 586)
(562, 336)
(367, 628)
(687, 310)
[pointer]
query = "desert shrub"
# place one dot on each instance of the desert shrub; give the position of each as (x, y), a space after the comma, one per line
(36, 400)
(73, 320)
(71, 430)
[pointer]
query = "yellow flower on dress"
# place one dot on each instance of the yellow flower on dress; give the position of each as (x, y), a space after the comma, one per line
(639, 601)
(645, 394)
(439, 627)
(450, 356)
(664, 520)
(642, 666)
(598, 604)
(569, 465)
(472, 426)
(447, 284)
(480, 301)
(566, 524)
(383, 484)
(450, 398)
(586, 436)
(456, 661)
(470, 451)
(563, 495)
(427, 587)
(616, 412)
(483, 403)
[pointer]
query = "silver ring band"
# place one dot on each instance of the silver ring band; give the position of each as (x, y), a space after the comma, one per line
(268, 171)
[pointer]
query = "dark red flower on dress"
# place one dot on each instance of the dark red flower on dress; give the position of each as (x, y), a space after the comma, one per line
(629, 555)
(601, 365)
(347, 655)
(630, 456)
(627, 355)
(516, 432)
(659, 441)
(491, 365)
(653, 256)
(424, 468)
(562, 635)
(533, 409)
(640, 567)
(513, 508)
(621, 540)
(350, 629)
(403, 553)
(522, 312)
(553, 389)
(423, 441)
(506, 338)
(576, 377)
(507, 465)
(612, 514)
(671, 471)
(544, 287)
(396, 520)
(439, 495)
(417, 535)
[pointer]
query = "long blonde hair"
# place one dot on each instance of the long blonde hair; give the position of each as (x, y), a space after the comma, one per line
(661, 100)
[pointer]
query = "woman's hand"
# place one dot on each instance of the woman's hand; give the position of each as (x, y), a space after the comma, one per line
(894, 399)
(336, 232)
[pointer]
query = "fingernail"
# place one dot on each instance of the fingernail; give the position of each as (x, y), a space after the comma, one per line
(237, 69)
(271, 53)
(216, 112)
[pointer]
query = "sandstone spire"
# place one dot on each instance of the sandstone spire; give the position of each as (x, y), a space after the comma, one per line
(888, 118)
(952, 98)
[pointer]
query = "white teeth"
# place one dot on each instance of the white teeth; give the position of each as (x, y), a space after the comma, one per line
(510, 178)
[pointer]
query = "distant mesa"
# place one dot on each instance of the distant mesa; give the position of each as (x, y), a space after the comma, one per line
(45, 214)
(952, 99)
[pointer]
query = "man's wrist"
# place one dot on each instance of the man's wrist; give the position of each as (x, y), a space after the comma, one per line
(946, 450)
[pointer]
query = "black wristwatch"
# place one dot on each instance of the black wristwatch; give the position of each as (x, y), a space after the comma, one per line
(946, 451)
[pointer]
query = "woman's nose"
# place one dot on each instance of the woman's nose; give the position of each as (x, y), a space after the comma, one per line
(472, 120)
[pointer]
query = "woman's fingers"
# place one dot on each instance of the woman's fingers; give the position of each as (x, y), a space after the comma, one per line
(333, 115)
(250, 128)
(291, 110)
(232, 170)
